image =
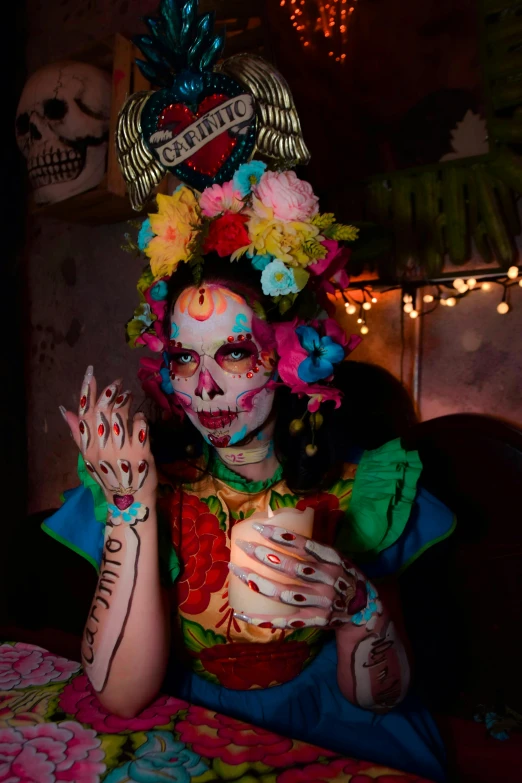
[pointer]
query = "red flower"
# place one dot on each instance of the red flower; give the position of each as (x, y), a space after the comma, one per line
(227, 234)
(233, 742)
(201, 546)
(240, 666)
(327, 515)
(340, 769)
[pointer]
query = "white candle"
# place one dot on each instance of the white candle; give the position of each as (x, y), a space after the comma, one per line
(240, 597)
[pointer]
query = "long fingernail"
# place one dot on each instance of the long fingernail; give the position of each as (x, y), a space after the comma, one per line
(258, 527)
(244, 617)
(89, 372)
(121, 399)
(246, 546)
(237, 571)
(86, 390)
(63, 412)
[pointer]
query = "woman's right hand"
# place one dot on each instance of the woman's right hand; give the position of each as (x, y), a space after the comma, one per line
(116, 450)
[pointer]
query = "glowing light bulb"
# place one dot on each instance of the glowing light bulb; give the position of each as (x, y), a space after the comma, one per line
(520, 282)
(407, 298)
(444, 302)
(408, 307)
(427, 298)
(471, 283)
(367, 306)
(503, 308)
(414, 314)
(451, 302)
(359, 320)
(351, 309)
(512, 272)
(364, 329)
(374, 299)
(486, 286)
(458, 283)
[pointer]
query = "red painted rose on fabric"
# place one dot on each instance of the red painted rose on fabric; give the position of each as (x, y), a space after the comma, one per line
(327, 515)
(201, 546)
(347, 769)
(242, 666)
(227, 234)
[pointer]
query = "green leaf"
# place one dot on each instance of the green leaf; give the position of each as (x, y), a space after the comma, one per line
(198, 668)
(309, 635)
(259, 310)
(215, 507)
(343, 492)
(197, 638)
(282, 501)
(145, 281)
(301, 277)
(112, 745)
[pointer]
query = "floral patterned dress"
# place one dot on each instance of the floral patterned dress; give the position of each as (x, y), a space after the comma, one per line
(375, 514)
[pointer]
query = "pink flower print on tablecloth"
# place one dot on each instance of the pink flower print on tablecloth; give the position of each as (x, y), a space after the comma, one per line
(342, 770)
(79, 700)
(24, 665)
(50, 753)
(215, 736)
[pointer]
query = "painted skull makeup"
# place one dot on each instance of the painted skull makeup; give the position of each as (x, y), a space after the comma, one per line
(220, 364)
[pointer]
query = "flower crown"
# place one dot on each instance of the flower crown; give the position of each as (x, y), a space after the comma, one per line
(271, 220)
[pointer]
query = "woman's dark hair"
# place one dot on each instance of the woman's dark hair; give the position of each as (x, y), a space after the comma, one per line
(375, 408)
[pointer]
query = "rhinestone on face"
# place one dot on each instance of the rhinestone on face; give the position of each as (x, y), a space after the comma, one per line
(250, 375)
(241, 337)
(249, 336)
(273, 559)
(253, 586)
(230, 339)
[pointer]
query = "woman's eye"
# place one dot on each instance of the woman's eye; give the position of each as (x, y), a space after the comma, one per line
(236, 356)
(185, 358)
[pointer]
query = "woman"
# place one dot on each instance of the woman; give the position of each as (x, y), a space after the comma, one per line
(248, 365)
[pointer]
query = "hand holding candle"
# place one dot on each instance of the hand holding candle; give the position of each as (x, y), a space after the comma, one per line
(281, 578)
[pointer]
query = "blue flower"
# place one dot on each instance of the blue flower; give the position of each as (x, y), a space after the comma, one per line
(261, 262)
(133, 513)
(247, 175)
(159, 291)
(159, 758)
(166, 383)
(323, 353)
(145, 235)
(277, 279)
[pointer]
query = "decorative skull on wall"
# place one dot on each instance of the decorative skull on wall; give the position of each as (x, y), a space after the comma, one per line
(62, 129)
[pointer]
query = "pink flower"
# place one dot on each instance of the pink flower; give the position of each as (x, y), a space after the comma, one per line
(24, 665)
(332, 266)
(290, 198)
(155, 382)
(218, 199)
(213, 735)
(49, 753)
(151, 341)
(78, 699)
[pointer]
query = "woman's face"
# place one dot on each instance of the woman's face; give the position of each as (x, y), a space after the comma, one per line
(221, 361)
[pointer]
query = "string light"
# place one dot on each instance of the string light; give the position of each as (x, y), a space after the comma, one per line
(364, 329)
(503, 308)
(374, 300)
(414, 314)
(407, 298)
(486, 286)
(351, 309)
(451, 302)
(367, 306)
(512, 272)
(471, 282)
(321, 20)
(428, 298)
(408, 308)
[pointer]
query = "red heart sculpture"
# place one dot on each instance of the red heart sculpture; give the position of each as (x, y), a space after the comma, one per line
(209, 159)
(123, 501)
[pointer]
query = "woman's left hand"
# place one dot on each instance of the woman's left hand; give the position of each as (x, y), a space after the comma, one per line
(334, 592)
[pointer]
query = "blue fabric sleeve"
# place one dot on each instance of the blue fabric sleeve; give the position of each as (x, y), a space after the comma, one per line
(76, 526)
(430, 522)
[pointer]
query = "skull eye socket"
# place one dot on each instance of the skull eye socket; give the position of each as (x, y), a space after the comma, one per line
(55, 109)
(22, 124)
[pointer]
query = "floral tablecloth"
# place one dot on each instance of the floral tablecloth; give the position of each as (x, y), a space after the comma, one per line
(53, 728)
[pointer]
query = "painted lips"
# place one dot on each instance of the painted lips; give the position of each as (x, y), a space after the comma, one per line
(216, 420)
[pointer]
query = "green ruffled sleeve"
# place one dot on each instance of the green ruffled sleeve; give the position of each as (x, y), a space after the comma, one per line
(100, 503)
(383, 494)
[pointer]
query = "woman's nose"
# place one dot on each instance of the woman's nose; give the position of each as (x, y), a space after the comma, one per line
(207, 388)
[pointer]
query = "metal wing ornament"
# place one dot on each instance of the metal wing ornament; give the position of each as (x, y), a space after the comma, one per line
(206, 120)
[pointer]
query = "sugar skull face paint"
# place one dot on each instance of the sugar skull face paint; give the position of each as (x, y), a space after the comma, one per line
(221, 360)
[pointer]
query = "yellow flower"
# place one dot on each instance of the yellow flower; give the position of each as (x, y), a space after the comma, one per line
(174, 225)
(280, 238)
